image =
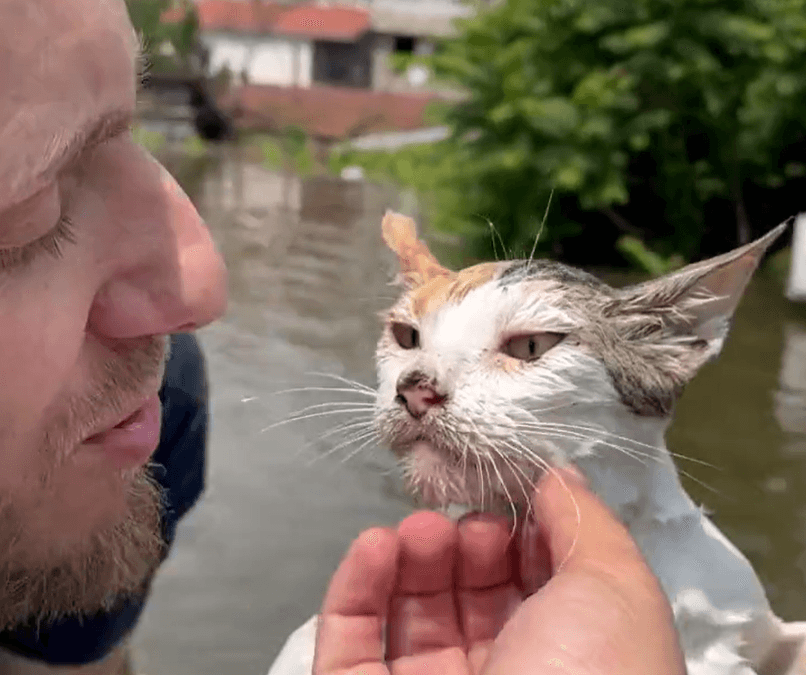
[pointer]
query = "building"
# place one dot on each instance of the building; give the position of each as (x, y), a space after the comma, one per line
(299, 45)
(262, 43)
(409, 27)
(324, 67)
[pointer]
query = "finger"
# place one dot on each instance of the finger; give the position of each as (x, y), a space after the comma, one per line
(602, 610)
(422, 615)
(534, 557)
(350, 633)
(486, 581)
(580, 531)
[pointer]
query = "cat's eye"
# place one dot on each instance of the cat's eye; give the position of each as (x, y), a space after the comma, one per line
(406, 336)
(530, 347)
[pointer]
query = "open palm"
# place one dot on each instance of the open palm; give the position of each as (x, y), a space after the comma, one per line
(435, 596)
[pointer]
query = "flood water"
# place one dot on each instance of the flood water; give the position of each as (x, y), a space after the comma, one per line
(308, 274)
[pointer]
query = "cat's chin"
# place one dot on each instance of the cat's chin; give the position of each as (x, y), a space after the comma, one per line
(437, 480)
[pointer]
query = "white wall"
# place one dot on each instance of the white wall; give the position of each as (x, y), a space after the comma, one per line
(266, 59)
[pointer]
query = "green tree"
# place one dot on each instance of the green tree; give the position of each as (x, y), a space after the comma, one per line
(648, 118)
(181, 34)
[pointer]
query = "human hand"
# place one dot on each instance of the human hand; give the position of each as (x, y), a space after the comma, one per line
(436, 596)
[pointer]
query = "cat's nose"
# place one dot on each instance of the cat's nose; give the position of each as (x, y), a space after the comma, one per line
(418, 399)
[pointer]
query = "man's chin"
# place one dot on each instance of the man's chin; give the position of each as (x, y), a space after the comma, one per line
(86, 567)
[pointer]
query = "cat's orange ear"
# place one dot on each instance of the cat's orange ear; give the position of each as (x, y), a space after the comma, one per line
(417, 264)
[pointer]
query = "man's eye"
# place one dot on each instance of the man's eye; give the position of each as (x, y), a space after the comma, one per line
(406, 336)
(530, 347)
(51, 243)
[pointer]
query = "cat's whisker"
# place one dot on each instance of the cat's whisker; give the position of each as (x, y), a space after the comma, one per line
(701, 483)
(630, 452)
(487, 457)
(559, 477)
(503, 484)
(532, 458)
(658, 448)
(332, 404)
(372, 438)
(529, 481)
(480, 467)
(515, 469)
(355, 423)
(493, 232)
(540, 231)
(345, 380)
(369, 437)
(329, 390)
(571, 433)
(636, 454)
(354, 438)
(563, 406)
(324, 413)
(351, 425)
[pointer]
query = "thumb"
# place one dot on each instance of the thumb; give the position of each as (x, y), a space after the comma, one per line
(602, 610)
(581, 533)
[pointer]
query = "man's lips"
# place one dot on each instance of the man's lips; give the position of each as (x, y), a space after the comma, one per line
(132, 440)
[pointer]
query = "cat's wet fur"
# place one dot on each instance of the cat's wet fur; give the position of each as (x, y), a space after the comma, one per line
(637, 346)
(516, 367)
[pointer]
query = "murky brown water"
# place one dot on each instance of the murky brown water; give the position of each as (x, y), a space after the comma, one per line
(308, 274)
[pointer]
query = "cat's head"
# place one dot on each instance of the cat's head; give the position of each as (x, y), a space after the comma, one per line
(489, 373)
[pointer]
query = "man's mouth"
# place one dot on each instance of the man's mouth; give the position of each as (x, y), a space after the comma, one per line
(131, 442)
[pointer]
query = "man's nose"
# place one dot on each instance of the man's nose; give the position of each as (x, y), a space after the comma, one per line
(174, 280)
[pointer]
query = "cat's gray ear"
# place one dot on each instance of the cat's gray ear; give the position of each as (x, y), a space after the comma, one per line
(699, 300)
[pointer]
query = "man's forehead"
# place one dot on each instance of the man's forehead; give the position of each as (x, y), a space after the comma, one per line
(62, 64)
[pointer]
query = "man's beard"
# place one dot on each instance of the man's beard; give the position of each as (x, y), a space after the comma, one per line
(45, 573)
(89, 577)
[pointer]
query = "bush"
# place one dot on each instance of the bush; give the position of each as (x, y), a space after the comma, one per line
(182, 35)
(676, 122)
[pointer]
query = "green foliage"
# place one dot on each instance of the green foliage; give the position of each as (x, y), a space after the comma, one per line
(289, 151)
(648, 261)
(651, 118)
(273, 154)
(153, 141)
(182, 36)
(194, 146)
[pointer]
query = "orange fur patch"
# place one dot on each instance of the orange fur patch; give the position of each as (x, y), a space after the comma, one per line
(440, 290)
(432, 284)
(417, 264)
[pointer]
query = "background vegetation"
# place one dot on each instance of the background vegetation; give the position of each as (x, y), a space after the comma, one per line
(167, 46)
(663, 127)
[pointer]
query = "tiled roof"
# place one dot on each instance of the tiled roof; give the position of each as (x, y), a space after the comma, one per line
(316, 22)
(327, 112)
(324, 22)
(253, 17)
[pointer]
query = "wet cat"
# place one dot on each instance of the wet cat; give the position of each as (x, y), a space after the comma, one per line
(493, 374)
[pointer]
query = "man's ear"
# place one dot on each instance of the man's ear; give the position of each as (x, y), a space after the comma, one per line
(417, 264)
(702, 297)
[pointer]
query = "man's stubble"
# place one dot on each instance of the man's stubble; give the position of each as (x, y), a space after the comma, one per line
(46, 571)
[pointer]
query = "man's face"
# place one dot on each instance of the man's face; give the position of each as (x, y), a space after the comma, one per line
(101, 256)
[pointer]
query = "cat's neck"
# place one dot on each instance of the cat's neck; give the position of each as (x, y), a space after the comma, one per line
(640, 482)
(713, 589)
